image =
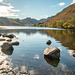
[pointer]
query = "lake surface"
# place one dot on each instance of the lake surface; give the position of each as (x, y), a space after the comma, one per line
(28, 55)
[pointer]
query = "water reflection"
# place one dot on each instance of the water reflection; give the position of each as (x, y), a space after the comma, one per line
(32, 44)
(53, 62)
(72, 52)
(6, 67)
(59, 35)
(66, 37)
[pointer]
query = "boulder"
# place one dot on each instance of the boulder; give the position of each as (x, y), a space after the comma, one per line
(48, 42)
(14, 43)
(52, 52)
(0, 34)
(8, 39)
(9, 35)
(7, 52)
(6, 46)
(2, 39)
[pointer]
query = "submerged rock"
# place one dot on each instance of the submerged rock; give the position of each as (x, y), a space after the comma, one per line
(7, 46)
(48, 42)
(2, 39)
(52, 52)
(7, 52)
(14, 43)
(0, 34)
(8, 39)
(8, 35)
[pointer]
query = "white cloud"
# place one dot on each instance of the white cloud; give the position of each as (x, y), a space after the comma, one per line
(1, 1)
(61, 4)
(7, 10)
(73, 2)
(44, 16)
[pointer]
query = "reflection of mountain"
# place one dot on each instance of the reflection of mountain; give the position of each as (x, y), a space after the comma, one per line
(66, 37)
(26, 31)
(53, 62)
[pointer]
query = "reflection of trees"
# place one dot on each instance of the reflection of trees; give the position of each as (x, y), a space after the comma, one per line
(66, 37)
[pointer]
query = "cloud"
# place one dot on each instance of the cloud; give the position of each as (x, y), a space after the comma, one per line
(44, 16)
(1, 1)
(61, 4)
(73, 2)
(7, 10)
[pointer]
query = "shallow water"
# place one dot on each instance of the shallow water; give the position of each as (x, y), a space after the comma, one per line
(28, 56)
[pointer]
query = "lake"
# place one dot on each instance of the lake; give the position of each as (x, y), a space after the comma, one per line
(28, 55)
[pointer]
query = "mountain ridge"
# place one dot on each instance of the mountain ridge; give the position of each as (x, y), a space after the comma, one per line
(26, 21)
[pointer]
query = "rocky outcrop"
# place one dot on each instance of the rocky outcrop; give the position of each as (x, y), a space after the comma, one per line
(48, 42)
(52, 52)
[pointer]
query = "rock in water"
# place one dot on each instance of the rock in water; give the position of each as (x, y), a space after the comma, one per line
(7, 52)
(9, 35)
(48, 42)
(2, 39)
(52, 52)
(0, 34)
(14, 43)
(7, 46)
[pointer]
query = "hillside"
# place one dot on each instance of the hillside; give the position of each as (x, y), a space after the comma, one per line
(63, 19)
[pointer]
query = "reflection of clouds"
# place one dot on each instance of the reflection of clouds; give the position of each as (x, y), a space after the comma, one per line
(32, 72)
(36, 56)
(6, 67)
(72, 52)
(63, 67)
(60, 48)
(22, 55)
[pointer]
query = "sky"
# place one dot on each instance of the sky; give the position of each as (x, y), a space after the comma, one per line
(37, 9)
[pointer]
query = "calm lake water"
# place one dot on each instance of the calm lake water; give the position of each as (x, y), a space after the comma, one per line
(28, 55)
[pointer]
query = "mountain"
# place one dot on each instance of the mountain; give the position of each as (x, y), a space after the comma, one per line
(9, 22)
(63, 19)
(30, 21)
(27, 21)
(43, 20)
